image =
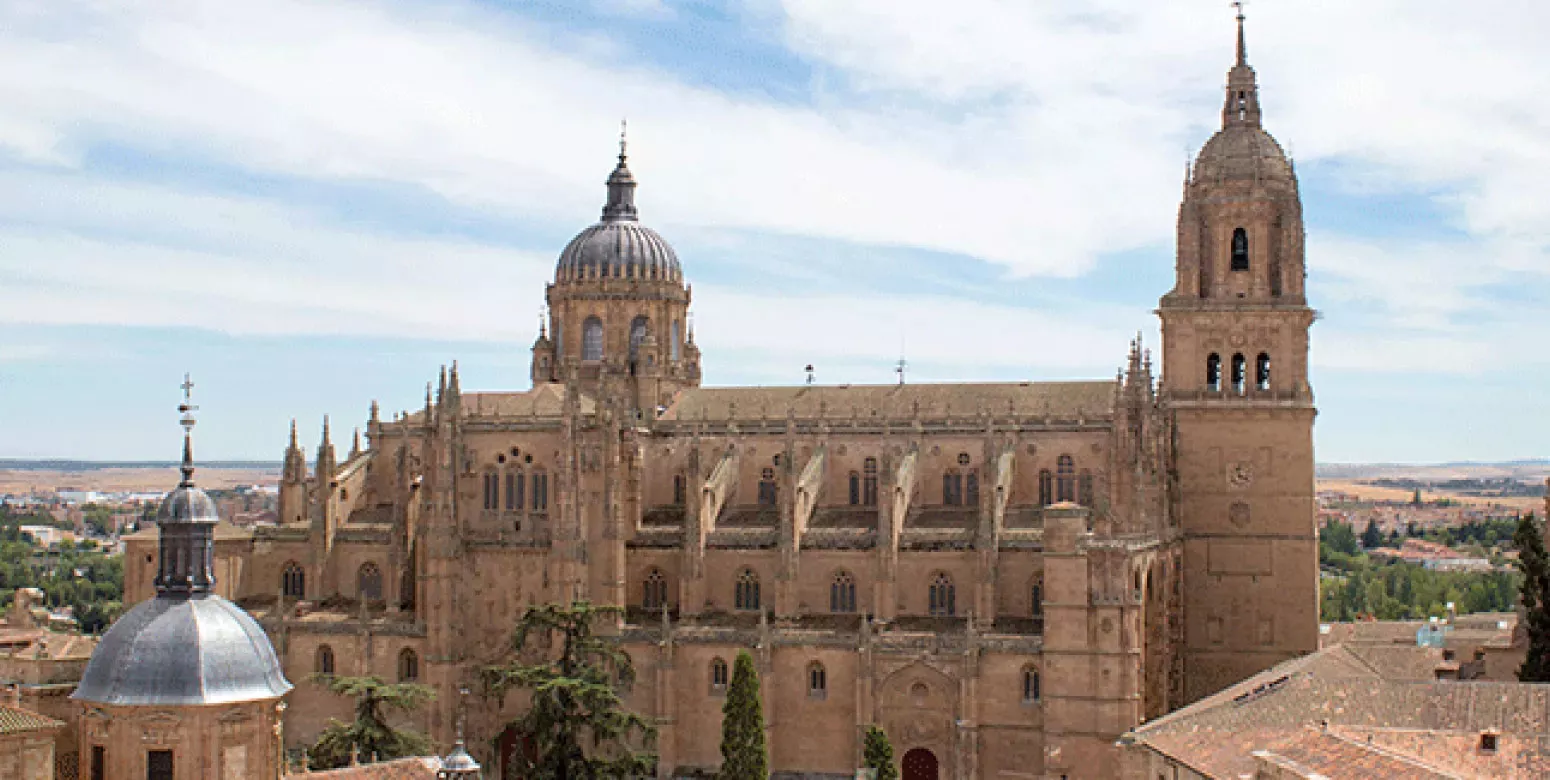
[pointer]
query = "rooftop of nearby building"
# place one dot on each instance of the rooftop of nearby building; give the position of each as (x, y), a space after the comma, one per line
(1356, 712)
(19, 720)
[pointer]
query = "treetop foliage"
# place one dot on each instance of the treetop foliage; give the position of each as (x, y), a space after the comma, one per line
(743, 752)
(370, 736)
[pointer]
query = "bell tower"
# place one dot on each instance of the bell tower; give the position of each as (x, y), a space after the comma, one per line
(1235, 371)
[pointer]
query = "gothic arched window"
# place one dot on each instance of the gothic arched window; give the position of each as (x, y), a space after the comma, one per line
(325, 659)
(368, 582)
(492, 490)
(746, 596)
(718, 676)
(941, 600)
(1046, 488)
(869, 483)
(1240, 371)
(408, 665)
(638, 328)
(952, 488)
(592, 339)
(654, 590)
(1240, 250)
(1214, 372)
(842, 593)
(855, 488)
(293, 583)
(767, 488)
(1262, 371)
(675, 349)
(1036, 597)
(817, 681)
(1065, 478)
(1031, 692)
(540, 492)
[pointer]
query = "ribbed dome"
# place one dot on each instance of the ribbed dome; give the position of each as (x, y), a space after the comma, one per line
(199, 649)
(1242, 152)
(187, 504)
(618, 249)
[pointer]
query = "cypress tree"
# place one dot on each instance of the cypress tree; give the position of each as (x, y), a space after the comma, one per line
(1372, 538)
(878, 755)
(743, 754)
(1535, 564)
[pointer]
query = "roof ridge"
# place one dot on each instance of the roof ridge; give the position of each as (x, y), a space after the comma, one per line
(1397, 755)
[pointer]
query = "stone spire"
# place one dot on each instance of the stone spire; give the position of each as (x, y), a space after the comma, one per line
(621, 188)
(1242, 106)
(295, 470)
(326, 458)
(186, 523)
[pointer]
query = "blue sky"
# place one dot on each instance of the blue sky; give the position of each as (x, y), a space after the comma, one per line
(312, 205)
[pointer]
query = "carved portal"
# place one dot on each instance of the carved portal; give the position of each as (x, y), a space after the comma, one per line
(917, 706)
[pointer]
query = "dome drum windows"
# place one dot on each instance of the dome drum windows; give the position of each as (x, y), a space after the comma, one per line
(592, 339)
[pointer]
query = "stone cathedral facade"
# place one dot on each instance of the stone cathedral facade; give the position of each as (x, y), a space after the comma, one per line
(1005, 577)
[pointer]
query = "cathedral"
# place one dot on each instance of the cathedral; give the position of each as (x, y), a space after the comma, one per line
(1005, 577)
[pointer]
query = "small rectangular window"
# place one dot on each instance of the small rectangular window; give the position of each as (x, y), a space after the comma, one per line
(99, 761)
(158, 765)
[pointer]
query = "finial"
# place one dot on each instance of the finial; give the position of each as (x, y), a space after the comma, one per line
(327, 441)
(376, 412)
(453, 386)
(624, 127)
(1243, 47)
(355, 447)
(186, 414)
(295, 445)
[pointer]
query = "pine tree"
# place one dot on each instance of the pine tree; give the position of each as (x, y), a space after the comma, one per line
(369, 737)
(1372, 538)
(743, 754)
(576, 721)
(878, 755)
(1535, 565)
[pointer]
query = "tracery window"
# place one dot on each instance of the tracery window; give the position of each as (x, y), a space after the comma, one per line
(718, 676)
(855, 488)
(1240, 372)
(408, 665)
(325, 660)
(842, 593)
(1046, 488)
(941, 600)
(1031, 685)
(1240, 250)
(293, 583)
(1065, 478)
(1084, 488)
(592, 339)
(869, 482)
(746, 596)
(654, 590)
(817, 681)
(1214, 372)
(368, 582)
(540, 491)
(1262, 371)
(768, 491)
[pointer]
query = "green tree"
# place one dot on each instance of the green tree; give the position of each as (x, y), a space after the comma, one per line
(575, 698)
(369, 736)
(1532, 561)
(743, 753)
(1372, 537)
(878, 755)
(1337, 537)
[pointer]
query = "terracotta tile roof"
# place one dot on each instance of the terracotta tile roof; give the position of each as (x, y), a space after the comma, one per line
(1063, 400)
(1351, 690)
(1334, 756)
(419, 768)
(16, 720)
(545, 400)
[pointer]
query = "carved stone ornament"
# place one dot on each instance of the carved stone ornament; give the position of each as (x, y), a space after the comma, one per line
(1240, 475)
(1238, 513)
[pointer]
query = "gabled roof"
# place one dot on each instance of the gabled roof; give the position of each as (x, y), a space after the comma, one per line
(1059, 400)
(17, 720)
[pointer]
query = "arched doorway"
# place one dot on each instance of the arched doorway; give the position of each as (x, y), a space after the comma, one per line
(920, 764)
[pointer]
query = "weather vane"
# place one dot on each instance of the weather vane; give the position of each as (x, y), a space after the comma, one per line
(623, 127)
(1238, 4)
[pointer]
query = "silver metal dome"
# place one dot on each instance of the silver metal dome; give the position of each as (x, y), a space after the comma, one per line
(618, 250)
(182, 650)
